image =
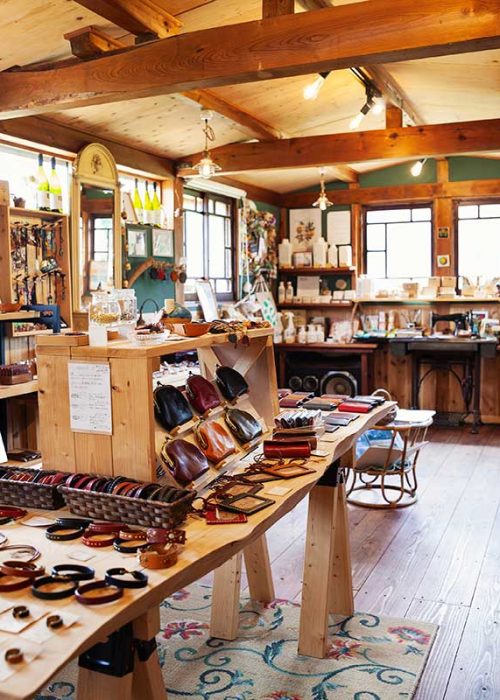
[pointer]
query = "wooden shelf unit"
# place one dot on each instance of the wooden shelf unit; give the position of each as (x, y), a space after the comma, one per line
(46, 286)
(437, 300)
(332, 305)
(7, 391)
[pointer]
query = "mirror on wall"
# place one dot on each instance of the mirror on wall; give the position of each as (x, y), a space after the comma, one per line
(96, 225)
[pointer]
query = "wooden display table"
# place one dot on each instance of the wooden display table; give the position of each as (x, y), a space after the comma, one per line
(327, 582)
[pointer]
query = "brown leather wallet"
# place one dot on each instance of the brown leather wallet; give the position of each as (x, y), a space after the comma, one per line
(214, 440)
(280, 448)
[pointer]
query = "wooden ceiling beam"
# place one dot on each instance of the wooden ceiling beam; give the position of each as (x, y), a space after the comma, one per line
(315, 4)
(343, 173)
(356, 147)
(275, 8)
(90, 42)
(329, 39)
(139, 17)
(393, 117)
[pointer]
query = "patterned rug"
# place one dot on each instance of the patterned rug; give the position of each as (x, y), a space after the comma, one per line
(370, 657)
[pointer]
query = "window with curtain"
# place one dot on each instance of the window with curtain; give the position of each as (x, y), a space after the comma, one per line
(478, 234)
(398, 244)
(209, 243)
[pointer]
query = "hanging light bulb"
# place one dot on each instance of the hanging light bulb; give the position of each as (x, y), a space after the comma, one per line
(356, 120)
(206, 167)
(322, 202)
(378, 105)
(416, 168)
(311, 91)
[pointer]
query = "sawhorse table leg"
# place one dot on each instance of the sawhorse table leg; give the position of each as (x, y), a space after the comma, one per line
(227, 585)
(327, 585)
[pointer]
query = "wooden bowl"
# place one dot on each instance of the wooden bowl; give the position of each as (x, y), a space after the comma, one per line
(188, 330)
(9, 308)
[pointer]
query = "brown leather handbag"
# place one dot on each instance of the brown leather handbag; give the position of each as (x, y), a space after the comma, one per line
(185, 461)
(214, 440)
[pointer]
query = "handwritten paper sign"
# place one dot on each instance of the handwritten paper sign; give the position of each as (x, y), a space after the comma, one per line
(90, 397)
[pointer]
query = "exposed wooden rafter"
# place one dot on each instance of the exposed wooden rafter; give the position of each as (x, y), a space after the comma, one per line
(324, 40)
(357, 147)
(393, 117)
(393, 92)
(274, 8)
(144, 18)
(89, 42)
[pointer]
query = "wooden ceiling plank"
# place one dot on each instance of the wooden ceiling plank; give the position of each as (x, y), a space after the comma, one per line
(209, 100)
(288, 45)
(356, 147)
(91, 41)
(138, 17)
(275, 8)
(65, 138)
(261, 194)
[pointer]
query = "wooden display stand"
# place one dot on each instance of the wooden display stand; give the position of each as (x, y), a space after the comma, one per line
(132, 448)
(48, 285)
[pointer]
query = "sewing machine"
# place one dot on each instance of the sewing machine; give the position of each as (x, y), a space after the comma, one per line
(460, 321)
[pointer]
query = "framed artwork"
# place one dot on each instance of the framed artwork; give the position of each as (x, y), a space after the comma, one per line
(338, 227)
(207, 299)
(163, 243)
(305, 227)
(137, 241)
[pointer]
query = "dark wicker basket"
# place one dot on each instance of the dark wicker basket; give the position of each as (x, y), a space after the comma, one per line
(133, 511)
(30, 495)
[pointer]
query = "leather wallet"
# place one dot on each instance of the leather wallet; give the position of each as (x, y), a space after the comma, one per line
(171, 407)
(201, 393)
(230, 382)
(214, 440)
(242, 424)
(185, 460)
(282, 448)
(311, 439)
(350, 406)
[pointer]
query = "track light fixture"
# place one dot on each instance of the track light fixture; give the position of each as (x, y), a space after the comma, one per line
(206, 167)
(322, 202)
(312, 90)
(416, 168)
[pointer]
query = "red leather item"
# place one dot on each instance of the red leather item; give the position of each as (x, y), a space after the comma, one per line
(201, 393)
(275, 449)
(214, 440)
(351, 407)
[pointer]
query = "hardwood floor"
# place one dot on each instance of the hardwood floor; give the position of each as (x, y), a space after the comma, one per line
(438, 560)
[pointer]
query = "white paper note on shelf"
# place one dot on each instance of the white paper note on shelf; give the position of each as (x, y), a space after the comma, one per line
(338, 227)
(90, 397)
(307, 286)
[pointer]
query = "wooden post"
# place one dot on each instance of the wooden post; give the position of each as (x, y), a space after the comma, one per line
(341, 596)
(443, 220)
(393, 117)
(179, 231)
(147, 677)
(98, 686)
(226, 599)
(258, 568)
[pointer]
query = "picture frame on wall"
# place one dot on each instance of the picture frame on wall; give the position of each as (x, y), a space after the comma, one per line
(305, 228)
(163, 243)
(137, 242)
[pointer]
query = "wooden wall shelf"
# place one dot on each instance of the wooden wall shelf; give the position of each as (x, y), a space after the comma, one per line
(38, 213)
(331, 305)
(317, 270)
(440, 300)
(20, 316)
(7, 392)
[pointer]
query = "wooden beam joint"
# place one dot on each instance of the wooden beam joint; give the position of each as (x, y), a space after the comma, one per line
(90, 42)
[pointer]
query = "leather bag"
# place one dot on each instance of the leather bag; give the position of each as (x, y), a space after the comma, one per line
(214, 440)
(201, 393)
(230, 382)
(171, 407)
(185, 461)
(242, 424)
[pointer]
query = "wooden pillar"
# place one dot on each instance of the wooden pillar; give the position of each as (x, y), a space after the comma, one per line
(274, 8)
(179, 230)
(393, 117)
(444, 226)
(258, 568)
(225, 599)
(356, 234)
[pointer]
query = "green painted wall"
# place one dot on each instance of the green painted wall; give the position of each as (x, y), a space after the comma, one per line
(468, 168)
(399, 175)
(148, 288)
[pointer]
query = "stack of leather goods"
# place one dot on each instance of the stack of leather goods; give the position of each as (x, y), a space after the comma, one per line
(295, 434)
(361, 404)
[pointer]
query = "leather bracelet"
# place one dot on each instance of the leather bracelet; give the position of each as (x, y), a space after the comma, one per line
(20, 612)
(105, 528)
(61, 533)
(55, 622)
(18, 584)
(67, 587)
(132, 535)
(73, 572)
(98, 539)
(126, 546)
(113, 593)
(159, 557)
(26, 569)
(13, 656)
(12, 512)
(33, 552)
(74, 522)
(161, 536)
(140, 580)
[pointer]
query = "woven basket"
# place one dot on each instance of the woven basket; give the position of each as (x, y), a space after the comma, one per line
(28, 495)
(133, 511)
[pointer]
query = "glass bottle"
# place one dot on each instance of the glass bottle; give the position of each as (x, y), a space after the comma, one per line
(42, 186)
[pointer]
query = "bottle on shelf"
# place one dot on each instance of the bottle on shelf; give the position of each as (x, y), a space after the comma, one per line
(301, 335)
(42, 186)
(345, 256)
(156, 218)
(288, 292)
(55, 191)
(333, 255)
(285, 253)
(147, 214)
(281, 292)
(319, 252)
(137, 202)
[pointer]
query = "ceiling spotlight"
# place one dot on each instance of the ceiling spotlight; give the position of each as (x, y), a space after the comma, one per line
(322, 202)
(312, 90)
(358, 118)
(416, 168)
(378, 105)
(206, 167)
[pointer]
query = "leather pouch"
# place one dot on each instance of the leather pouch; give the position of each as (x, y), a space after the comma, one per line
(201, 393)
(171, 407)
(185, 460)
(214, 440)
(230, 382)
(281, 448)
(242, 424)
(351, 407)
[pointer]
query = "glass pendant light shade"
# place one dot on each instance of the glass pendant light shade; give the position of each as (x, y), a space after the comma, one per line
(206, 167)
(322, 202)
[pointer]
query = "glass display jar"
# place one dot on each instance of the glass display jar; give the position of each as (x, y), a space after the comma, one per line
(128, 306)
(104, 309)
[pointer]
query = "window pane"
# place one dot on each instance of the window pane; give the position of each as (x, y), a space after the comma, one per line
(382, 215)
(421, 214)
(489, 210)
(222, 286)
(101, 238)
(189, 202)
(199, 204)
(409, 250)
(375, 237)
(211, 206)
(222, 208)
(375, 264)
(479, 248)
(216, 246)
(228, 271)
(227, 227)
(468, 211)
(193, 230)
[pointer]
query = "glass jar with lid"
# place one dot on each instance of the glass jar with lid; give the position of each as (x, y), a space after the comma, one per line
(104, 309)
(128, 306)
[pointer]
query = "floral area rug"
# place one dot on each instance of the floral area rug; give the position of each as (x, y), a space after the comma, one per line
(369, 658)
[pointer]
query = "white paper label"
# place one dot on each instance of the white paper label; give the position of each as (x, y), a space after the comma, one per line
(90, 397)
